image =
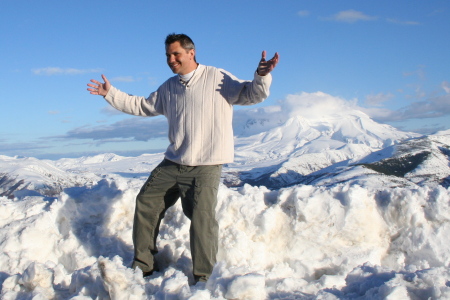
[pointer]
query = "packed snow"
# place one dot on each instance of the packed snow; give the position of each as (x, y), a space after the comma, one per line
(303, 242)
(352, 233)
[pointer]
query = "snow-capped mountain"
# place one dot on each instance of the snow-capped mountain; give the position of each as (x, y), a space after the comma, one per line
(289, 153)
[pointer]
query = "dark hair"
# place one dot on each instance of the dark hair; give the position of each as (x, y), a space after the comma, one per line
(185, 42)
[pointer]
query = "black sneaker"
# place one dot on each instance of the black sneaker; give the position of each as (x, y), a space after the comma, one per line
(147, 274)
(200, 278)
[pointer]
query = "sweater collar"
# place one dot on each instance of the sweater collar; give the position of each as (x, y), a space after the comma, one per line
(191, 80)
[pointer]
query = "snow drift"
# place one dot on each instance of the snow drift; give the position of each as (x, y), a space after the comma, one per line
(303, 242)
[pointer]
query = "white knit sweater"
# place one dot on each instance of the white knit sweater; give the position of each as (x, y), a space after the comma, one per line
(199, 114)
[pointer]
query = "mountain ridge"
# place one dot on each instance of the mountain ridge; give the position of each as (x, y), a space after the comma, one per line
(299, 151)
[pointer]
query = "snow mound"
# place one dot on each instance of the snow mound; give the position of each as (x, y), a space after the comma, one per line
(304, 242)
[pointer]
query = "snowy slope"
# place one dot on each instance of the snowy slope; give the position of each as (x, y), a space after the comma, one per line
(419, 161)
(344, 241)
(369, 220)
(30, 175)
(25, 176)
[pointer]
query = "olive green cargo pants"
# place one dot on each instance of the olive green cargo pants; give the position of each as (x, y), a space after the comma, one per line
(197, 187)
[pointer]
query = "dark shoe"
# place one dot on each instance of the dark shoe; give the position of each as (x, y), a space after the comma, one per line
(147, 274)
(200, 278)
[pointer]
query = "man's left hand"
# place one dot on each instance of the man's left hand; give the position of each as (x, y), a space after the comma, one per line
(266, 66)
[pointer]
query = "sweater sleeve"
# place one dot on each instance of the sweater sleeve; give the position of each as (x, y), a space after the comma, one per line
(245, 92)
(134, 105)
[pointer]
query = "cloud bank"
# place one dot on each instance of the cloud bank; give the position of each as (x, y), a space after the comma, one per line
(63, 71)
(351, 16)
(134, 128)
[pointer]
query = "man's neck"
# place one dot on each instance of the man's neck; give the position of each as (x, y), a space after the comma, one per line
(192, 69)
(184, 78)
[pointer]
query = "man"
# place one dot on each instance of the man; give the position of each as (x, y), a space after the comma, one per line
(198, 105)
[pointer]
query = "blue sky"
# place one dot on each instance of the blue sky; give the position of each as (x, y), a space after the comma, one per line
(390, 57)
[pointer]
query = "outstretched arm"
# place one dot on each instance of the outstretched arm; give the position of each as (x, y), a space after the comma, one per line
(99, 88)
(266, 66)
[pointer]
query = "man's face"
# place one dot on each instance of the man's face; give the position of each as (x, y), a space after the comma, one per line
(180, 61)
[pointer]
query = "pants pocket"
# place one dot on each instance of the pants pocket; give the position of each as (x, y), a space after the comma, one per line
(153, 176)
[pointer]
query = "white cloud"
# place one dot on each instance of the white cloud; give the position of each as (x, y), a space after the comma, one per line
(110, 111)
(61, 71)
(312, 105)
(378, 99)
(351, 16)
(380, 114)
(303, 13)
(429, 108)
(446, 86)
(124, 79)
(12, 148)
(420, 72)
(152, 81)
(433, 107)
(396, 21)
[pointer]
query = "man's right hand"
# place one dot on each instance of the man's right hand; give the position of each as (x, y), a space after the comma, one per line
(99, 88)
